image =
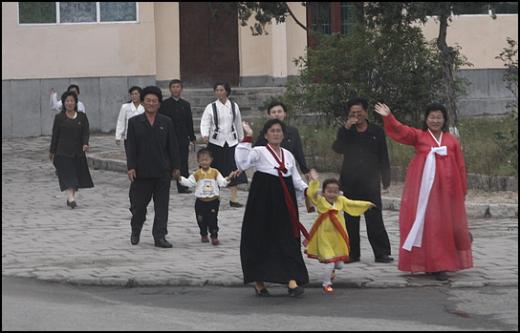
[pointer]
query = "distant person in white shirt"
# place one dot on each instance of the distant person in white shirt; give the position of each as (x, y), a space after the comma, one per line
(58, 106)
(221, 129)
(128, 110)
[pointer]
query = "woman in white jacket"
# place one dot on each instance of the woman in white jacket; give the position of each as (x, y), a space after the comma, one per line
(128, 110)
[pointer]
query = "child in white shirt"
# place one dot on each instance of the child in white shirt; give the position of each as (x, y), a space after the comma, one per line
(206, 181)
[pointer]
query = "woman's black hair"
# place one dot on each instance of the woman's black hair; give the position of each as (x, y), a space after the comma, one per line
(151, 90)
(203, 151)
(273, 104)
(329, 181)
(436, 107)
(226, 86)
(75, 86)
(64, 97)
(268, 124)
(135, 88)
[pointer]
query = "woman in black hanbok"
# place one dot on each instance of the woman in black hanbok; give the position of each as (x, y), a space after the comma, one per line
(270, 246)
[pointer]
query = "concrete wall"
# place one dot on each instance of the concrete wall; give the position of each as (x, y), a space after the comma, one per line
(486, 93)
(26, 111)
(77, 50)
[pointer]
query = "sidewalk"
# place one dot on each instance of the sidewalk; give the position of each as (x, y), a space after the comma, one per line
(44, 239)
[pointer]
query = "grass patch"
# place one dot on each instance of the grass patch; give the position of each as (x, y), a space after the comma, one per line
(482, 152)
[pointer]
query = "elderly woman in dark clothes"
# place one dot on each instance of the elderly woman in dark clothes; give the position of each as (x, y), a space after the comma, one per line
(70, 135)
(270, 248)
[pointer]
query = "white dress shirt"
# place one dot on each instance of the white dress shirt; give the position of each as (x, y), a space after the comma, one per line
(128, 110)
(259, 157)
(225, 118)
(58, 105)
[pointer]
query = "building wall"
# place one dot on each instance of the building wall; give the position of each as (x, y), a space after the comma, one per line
(480, 37)
(167, 40)
(74, 50)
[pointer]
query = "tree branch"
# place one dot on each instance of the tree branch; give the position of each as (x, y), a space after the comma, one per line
(295, 19)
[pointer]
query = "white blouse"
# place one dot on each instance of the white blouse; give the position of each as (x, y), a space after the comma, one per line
(128, 110)
(259, 157)
(225, 118)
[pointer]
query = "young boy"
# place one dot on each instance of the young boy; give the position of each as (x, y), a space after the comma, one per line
(207, 181)
(328, 238)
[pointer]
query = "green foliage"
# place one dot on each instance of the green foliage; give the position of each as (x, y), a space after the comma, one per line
(506, 137)
(397, 67)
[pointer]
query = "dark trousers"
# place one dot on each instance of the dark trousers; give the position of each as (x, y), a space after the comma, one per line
(207, 217)
(376, 231)
(184, 153)
(369, 190)
(141, 192)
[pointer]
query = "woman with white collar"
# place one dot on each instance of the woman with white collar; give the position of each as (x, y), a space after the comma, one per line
(270, 246)
(221, 129)
(433, 222)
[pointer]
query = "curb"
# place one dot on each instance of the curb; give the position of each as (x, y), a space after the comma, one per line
(473, 210)
(135, 282)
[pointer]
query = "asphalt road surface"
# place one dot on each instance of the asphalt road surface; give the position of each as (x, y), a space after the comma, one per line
(29, 304)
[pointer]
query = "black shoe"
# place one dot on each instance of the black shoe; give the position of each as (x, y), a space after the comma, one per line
(262, 293)
(351, 260)
(235, 204)
(163, 243)
(71, 204)
(384, 259)
(295, 292)
(440, 276)
(134, 238)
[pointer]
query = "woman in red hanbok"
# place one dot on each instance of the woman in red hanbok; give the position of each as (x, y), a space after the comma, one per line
(433, 223)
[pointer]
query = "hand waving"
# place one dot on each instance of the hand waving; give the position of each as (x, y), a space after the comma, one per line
(382, 109)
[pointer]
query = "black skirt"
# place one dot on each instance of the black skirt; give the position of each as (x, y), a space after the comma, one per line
(73, 172)
(224, 161)
(268, 250)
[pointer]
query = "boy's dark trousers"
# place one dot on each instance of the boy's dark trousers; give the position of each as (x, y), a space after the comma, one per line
(207, 216)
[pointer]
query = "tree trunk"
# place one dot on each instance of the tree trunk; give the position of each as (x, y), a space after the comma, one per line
(447, 61)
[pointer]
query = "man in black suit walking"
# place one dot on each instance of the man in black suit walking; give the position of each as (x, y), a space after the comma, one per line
(152, 161)
(179, 111)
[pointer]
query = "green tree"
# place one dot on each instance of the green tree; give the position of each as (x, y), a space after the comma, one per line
(397, 66)
(507, 139)
(392, 15)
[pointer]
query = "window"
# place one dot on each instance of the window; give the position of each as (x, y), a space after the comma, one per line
(320, 17)
(76, 12)
(117, 11)
(506, 7)
(349, 17)
(37, 12)
(484, 7)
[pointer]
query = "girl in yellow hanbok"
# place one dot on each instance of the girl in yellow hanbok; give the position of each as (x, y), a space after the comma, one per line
(328, 239)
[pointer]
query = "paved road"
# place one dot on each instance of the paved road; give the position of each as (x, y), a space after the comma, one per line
(30, 305)
(44, 239)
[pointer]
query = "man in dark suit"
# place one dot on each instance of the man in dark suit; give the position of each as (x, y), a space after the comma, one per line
(179, 111)
(365, 166)
(152, 161)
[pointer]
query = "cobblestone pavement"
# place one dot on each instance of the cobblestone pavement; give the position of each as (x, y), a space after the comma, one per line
(44, 239)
